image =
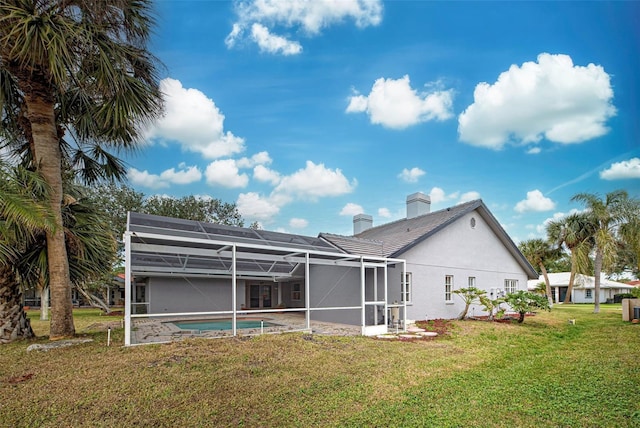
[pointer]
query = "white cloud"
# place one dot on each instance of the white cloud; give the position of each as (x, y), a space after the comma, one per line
(535, 201)
(395, 104)
(194, 121)
(298, 223)
(534, 150)
(622, 170)
(384, 212)
(264, 174)
(170, 176)
(261, 158)
(550, 99)
(225, 173)
(262, 16)
(309, 183)
(468, 196)
(351, 209)
(411, 175)
(313, 182)
(271, 43)
(253, 206)
(437, 195)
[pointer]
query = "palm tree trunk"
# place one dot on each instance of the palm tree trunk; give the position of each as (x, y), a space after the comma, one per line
(41, 115)
(547, 284)
(44, 303)
(572, 278)
(597, 271)
(14, 323)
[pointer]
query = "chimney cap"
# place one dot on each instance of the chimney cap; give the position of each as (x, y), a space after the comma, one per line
(418, 196)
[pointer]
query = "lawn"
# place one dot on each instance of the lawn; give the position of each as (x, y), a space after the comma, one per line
(545, 372)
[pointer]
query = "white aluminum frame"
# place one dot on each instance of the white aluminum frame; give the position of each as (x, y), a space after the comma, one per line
(135, 241)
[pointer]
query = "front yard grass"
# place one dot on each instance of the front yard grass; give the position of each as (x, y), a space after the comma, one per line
(545, 372)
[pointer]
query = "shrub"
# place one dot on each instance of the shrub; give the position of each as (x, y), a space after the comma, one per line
(525, 301)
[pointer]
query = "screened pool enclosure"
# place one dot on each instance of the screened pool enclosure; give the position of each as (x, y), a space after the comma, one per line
(182, 273)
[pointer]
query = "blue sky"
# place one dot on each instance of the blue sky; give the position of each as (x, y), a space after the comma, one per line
(305, 113)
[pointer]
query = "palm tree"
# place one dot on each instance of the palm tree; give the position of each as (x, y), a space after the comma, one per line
(20, 216)
(575, 232)
(91, 246)
(538, 252)
(611, 218)
(79, 68)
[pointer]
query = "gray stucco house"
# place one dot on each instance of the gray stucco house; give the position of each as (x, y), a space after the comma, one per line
(381, 277)
(445, 250)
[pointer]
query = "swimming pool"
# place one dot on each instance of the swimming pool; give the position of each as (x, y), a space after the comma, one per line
(221, 324)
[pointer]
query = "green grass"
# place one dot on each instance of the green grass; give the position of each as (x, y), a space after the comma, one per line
(544, 372)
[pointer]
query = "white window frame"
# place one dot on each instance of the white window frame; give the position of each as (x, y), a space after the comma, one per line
(407, 287)
(510, 286)
(296, 292)
(448, 288)
(588, 293)
(472, 281)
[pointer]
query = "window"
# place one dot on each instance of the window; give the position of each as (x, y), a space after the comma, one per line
(472, 281)
(510, 286)
(405, 290)
(448, 288)
(296, 292)
(588, 294)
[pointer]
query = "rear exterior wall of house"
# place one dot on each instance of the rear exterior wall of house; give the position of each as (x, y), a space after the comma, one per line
(465, 253)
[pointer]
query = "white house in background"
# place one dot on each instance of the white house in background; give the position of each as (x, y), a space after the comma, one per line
(444, 250)
(583, 287)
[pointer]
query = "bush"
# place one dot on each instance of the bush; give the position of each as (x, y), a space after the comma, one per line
(617, 298)
(525, 301)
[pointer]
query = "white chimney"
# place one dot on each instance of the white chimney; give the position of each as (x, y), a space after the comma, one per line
(418, 204)
(362, 222)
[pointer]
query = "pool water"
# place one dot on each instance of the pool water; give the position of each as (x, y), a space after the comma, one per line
(220, 324)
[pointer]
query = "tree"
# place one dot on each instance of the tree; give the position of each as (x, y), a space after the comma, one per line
(118, 199)
(538, 252)
(613, 218)
(79, 66)
(492, 306)
(21, 214)
(90, 247)
(469, 296)
(525, 301)
(575, 232)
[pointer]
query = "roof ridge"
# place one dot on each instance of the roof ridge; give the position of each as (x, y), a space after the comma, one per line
(475, 201)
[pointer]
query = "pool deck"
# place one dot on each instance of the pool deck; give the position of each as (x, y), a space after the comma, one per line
(156, 330)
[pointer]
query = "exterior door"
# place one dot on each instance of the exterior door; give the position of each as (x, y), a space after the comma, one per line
(260, 296)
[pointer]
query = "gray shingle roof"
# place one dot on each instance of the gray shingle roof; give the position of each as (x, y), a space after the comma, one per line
(393, 239)
(352, 245)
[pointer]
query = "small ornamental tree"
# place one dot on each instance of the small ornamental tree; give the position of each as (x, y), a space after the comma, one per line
(491, 306)
(525, 301)
(469, 296)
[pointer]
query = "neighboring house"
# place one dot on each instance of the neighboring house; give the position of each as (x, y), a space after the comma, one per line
(386, 275)
(445, 250)
(32, 297)
(583, 287)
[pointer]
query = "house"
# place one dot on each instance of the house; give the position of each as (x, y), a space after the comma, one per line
(583, 287)
(445, 250)
(381, 277)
